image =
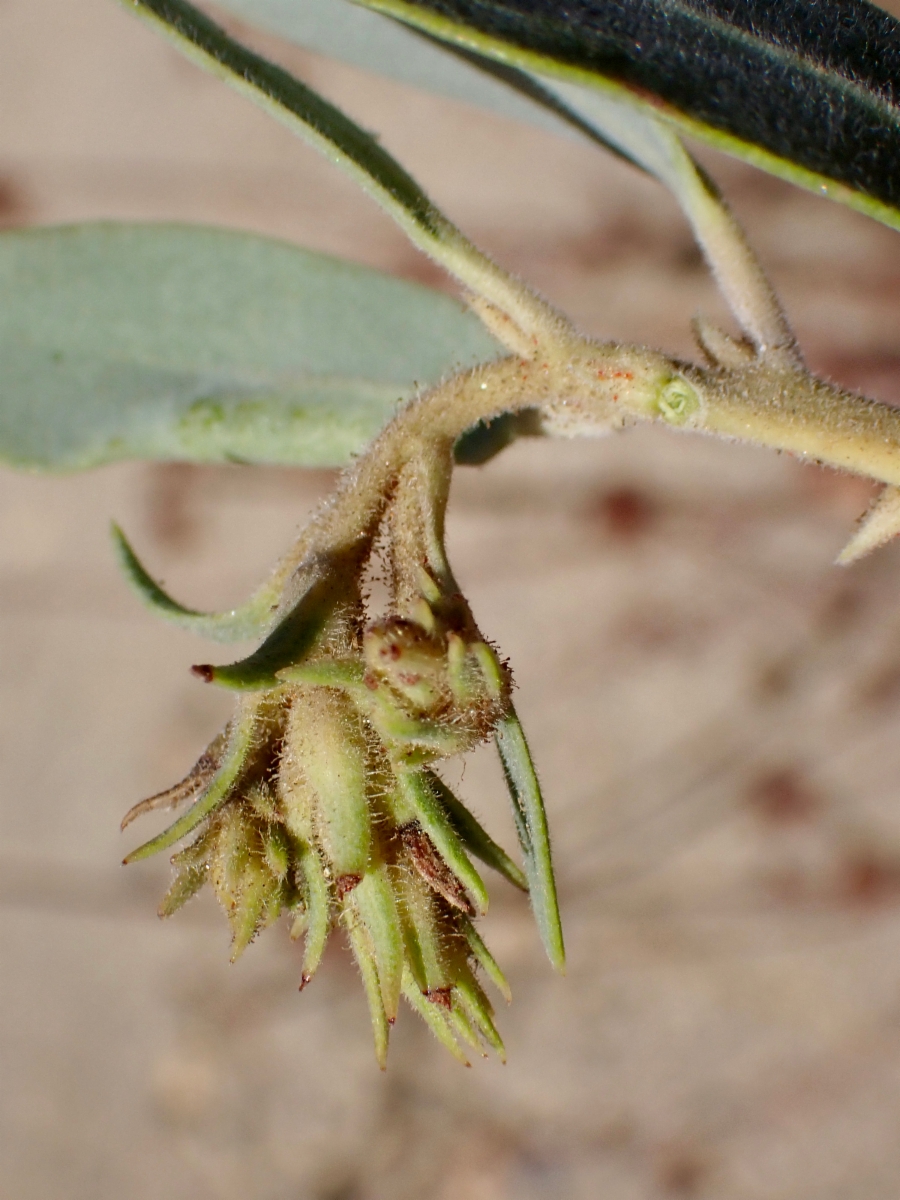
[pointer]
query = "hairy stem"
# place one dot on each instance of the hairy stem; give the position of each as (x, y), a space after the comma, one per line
(585, 388)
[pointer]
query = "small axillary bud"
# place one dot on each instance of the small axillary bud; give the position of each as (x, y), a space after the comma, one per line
(677, 402)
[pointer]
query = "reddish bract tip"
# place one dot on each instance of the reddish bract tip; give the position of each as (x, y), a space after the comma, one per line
(204, 671)
(440, 996)
(346, 883)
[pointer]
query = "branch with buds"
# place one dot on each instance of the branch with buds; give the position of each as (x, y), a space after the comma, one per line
(322, 798)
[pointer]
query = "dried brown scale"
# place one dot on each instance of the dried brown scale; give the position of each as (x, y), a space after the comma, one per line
(432, 867)
(193, 783)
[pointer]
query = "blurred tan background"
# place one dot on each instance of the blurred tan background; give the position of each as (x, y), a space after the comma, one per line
(714, 708)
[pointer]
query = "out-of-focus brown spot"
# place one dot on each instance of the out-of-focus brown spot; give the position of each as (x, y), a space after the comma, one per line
(626, 237)
(170, 515)
(882, 687)
(789, 886)
(847, 496)
(783, 797)
(869, 881)
(841, 610)
(617, 1134)
(688, 258)
(14, 205)
(682, 1172)
(777, 678)
(654, 628)
(874, 372)
(624, 513)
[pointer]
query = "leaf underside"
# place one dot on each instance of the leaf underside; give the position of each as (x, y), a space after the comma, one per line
(178, 342)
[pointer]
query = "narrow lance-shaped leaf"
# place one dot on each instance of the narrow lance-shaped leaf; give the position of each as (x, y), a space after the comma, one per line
(474, 837)
(531, 821)
(250, 620)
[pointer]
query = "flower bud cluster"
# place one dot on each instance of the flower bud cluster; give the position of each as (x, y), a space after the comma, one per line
(326, 806)
(322, 798)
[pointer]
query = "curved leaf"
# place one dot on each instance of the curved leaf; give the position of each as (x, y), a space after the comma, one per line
(810, 93)
(370, 41)
(534, 835)
(348, 146)
(178, 342)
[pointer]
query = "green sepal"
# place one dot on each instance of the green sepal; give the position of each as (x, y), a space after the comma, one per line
(534, 837)
(277, 852)
(478, 1007)
(240, 742)
(374, 900)
(486, 961)
(425, 957)
(288, 643)
(256, 890)
(191, 872)
(433, 1016)
(231, 855)
(464, 1029)
(417, 792)
(250, 620)
(299, 919)
(417, 739)
(474, 837)
(365, 957)
(316, 896)
(345, 673)
(333, 759)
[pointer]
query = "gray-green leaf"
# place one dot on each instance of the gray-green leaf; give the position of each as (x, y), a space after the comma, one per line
(178, 342)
